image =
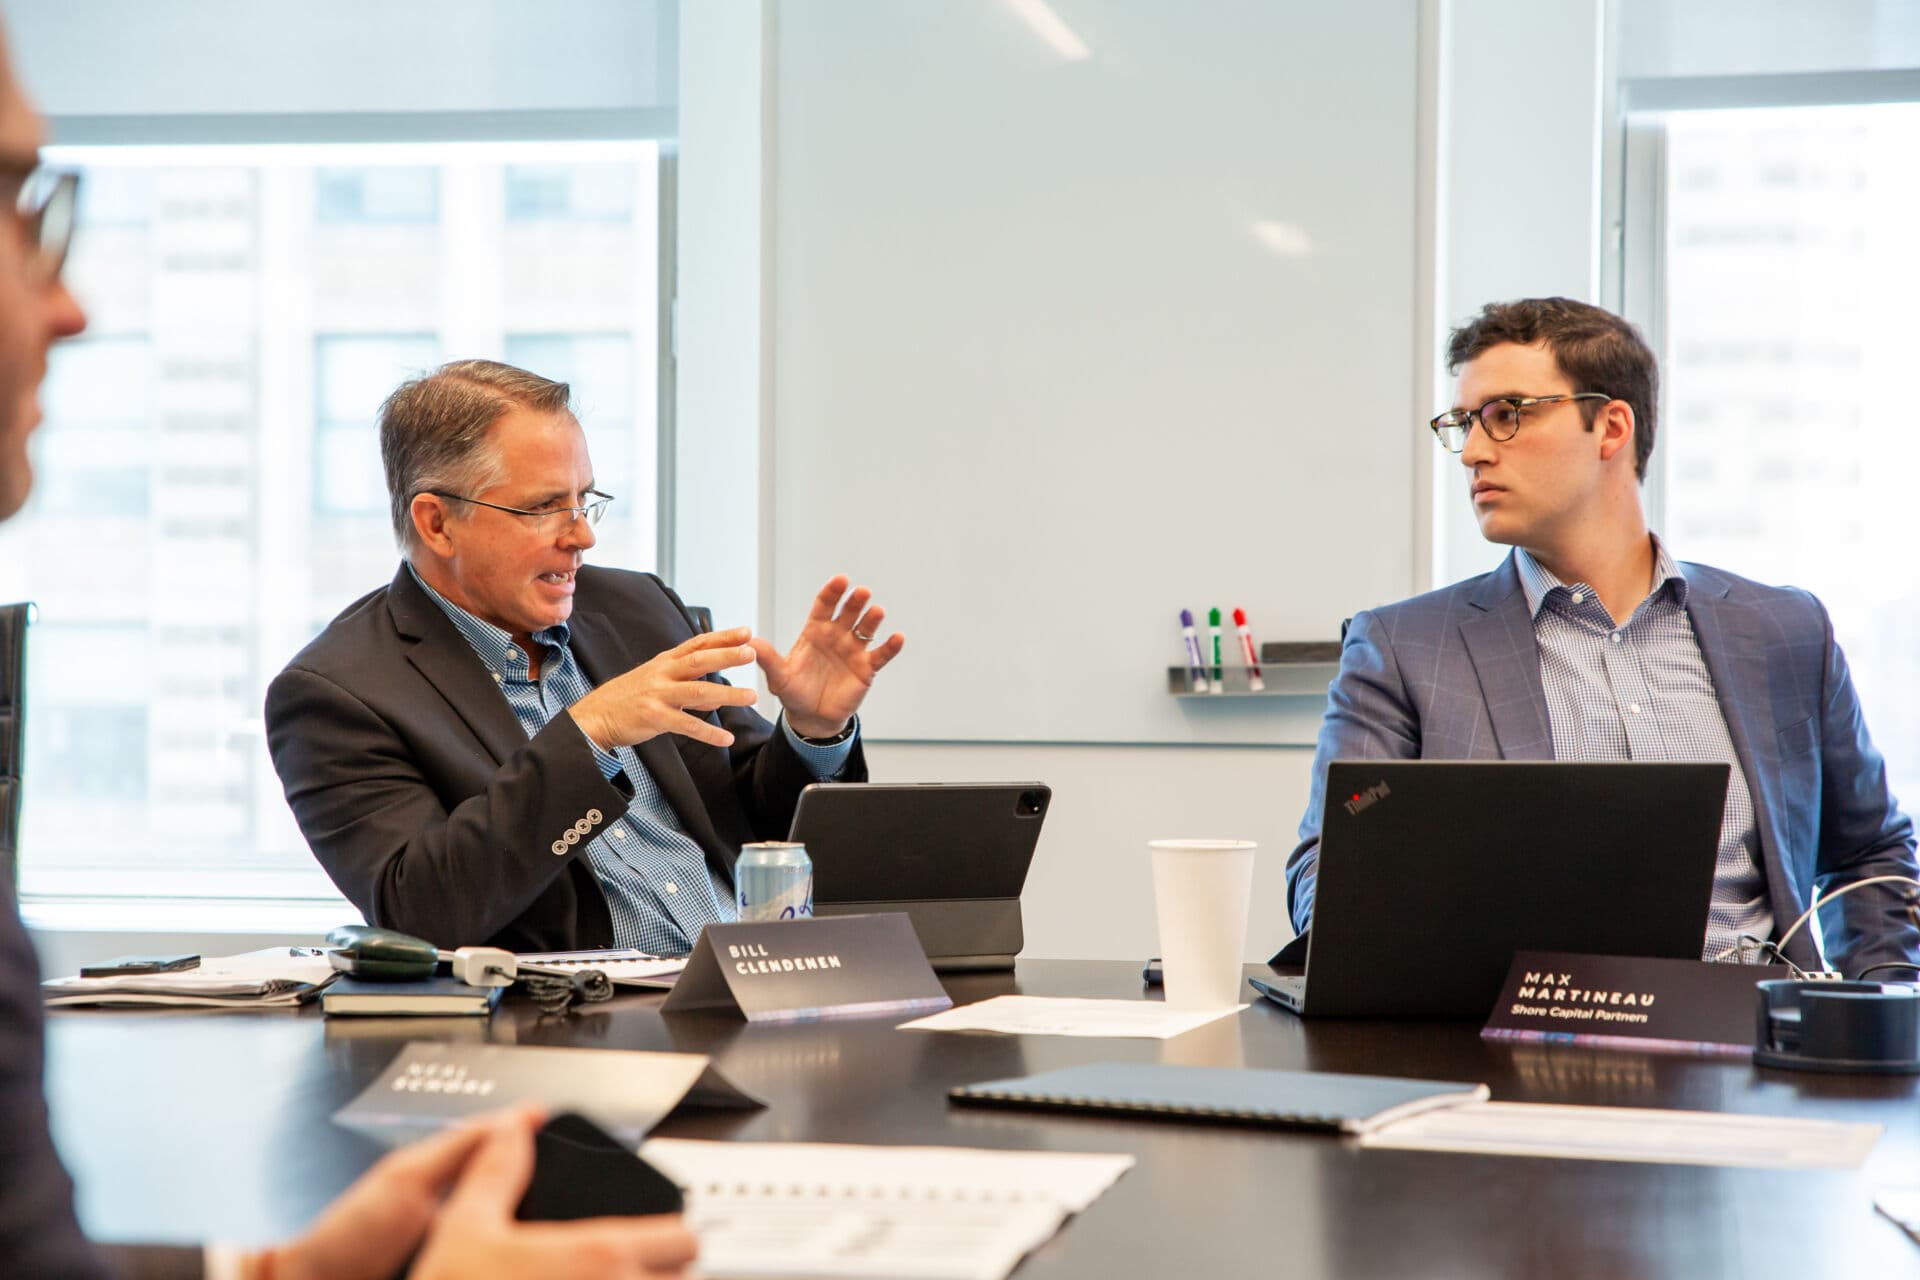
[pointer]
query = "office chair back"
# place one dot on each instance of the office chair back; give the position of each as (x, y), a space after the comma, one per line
(14, 620)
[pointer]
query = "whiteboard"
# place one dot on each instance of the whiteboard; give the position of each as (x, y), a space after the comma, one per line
(1061, 345)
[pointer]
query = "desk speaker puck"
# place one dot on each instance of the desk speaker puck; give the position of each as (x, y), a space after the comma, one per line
(1866, 1027)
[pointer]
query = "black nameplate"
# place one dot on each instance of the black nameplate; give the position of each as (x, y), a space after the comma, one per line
(1680, 1006)
(430, 1084)
(801, 970)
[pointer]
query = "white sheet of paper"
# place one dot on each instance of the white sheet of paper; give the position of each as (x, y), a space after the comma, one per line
(916, 1240)
(272, 975)
(1048, 1016)
(1632, 1133)
(779, 1209)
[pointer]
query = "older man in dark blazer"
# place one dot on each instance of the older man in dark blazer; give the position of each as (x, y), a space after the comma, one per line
(507, 746)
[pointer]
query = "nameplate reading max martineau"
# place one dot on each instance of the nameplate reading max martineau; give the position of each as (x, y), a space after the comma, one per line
(1681, 1006)
(800, 970)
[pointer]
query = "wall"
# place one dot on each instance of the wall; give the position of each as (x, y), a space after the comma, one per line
(850, 94)
(1506, 203)
(1066, 340)
(721, 382)
(1090, 892)
(1520, 193)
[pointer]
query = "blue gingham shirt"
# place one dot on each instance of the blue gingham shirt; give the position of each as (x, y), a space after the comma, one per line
(660, 888)
(1640, 690)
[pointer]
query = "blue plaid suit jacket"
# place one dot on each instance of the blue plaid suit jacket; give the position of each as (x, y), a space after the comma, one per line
(1455, 675)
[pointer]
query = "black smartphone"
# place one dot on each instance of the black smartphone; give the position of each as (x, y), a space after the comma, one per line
(582, 1171)
(1151, 974)
(120, 965)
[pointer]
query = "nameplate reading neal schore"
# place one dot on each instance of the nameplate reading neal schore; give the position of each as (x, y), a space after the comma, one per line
(1677, 1006)
(800, 970)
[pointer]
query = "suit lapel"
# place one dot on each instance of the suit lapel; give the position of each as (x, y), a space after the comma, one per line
(604, 654)
(442, 655)
(1498, 633)
(1734, 647)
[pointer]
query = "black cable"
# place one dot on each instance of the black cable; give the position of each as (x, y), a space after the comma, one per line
(559, 992)
(1772, 948)
(1889, 964)
(1767, 947)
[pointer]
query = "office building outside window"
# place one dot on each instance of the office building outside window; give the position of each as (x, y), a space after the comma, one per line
(210, 486)
(1791, 266)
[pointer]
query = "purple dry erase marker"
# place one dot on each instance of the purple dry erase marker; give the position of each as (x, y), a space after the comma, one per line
(1196, 676)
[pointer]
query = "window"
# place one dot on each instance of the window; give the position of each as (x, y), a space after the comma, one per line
(353, 374)
(98, 464)
(599, 367)
(569, 193)
(377, 193)
(210, 485)
(1787, 286)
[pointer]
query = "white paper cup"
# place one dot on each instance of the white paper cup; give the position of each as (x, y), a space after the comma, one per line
(1201, 889)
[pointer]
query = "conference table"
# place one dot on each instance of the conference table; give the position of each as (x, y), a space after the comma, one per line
(189, 1125)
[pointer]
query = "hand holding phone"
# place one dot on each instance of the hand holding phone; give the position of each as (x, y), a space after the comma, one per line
(582, 1171)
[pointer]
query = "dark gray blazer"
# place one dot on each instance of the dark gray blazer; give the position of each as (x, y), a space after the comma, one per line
(1455, 675)
(433, 811)
(39, 1234)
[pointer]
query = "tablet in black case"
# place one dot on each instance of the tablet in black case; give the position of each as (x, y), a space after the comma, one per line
(952, 856)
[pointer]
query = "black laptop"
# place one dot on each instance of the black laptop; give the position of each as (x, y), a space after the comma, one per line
(953, 856)
(1434, 872)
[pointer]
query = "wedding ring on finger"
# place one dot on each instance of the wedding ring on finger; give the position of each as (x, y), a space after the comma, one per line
(862, 636)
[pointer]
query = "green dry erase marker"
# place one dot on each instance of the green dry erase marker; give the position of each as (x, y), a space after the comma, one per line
(1213, 621)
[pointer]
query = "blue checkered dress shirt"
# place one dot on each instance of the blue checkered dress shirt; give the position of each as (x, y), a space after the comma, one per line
(1640, 691)
(661, 890)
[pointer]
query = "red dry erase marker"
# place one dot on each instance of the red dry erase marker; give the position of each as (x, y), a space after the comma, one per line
(1254, 681)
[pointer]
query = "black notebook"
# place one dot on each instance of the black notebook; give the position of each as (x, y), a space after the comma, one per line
(436, 996)
(1283, 1099)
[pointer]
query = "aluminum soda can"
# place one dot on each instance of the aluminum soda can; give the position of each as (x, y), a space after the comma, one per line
(775, 880)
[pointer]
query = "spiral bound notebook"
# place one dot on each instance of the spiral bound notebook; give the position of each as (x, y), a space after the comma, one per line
(1281, 1099)
(626, 966)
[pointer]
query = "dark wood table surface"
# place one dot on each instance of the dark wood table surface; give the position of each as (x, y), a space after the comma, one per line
(187, 1125)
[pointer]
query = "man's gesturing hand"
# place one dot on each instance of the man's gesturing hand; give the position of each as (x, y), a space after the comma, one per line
(655, 697)
(824, 678)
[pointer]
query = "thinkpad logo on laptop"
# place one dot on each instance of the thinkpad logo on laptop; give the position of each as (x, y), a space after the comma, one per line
(1365, 800)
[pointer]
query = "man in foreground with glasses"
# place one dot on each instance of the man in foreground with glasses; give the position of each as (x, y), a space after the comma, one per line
(1591, 642)
(505, 746)
(445, 1205)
